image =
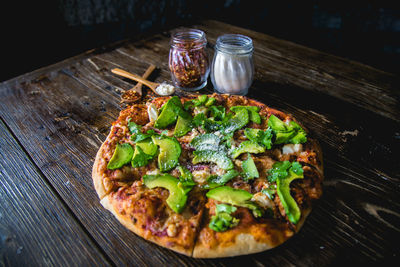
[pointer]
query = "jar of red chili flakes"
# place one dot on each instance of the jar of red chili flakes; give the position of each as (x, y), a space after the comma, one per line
(188, 59)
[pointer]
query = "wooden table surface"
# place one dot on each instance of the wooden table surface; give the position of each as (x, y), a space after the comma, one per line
(54, 119)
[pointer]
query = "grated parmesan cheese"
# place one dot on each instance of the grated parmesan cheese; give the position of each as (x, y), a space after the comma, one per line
(165, 89)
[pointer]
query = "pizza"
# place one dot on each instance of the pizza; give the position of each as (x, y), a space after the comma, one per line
(209, 175)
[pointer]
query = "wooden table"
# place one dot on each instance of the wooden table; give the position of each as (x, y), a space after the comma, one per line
(53, 121)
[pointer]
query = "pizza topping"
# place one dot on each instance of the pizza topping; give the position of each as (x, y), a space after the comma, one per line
(233, 196)
(140, 158)
(254, 116)
(177, 195)
(169, 113)
(136, 132)
(170, 151)
(247, 146)
(200, 101)
(283, 173)
(261, 137)
(237, 122)
(269, 191)
(263, 201)
(133, 127)
(122, 155)
(206, 142)
(148, 147)
(200, 176)
(222, 220)
(172, 230)
(186, 179)
(286, 133)
(217, 112)
(218, 180)
(152, 112)
(183, 125)
(217, 157)
(291, 148)
(249, 168)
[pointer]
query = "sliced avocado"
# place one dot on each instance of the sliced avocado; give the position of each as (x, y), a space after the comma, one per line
(253, 134)
(206, 142)
(249, 168)
(177, 197)
(183, 125)
(217, 157)
(257, 212)
(145, 150)
(217, 112)
(202, 99)
(290, 133)
(236, 197)
(169, 113)
(282, 137)
(276, 124)
(147, 146)
(247, 146)
(223, 219)
(292, 210)
(250, 108)
(300, 136)
(254, 116)
(227, 194)
(122, 155)
(170, 151)
(210, 101)
(259, 136)
(215, 181)
(237, 122)
(140, 158)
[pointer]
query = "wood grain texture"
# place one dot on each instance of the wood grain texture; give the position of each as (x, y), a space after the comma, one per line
(62, 113)
(35, 226)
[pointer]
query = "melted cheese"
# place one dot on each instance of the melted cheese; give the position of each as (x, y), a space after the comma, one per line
(201, 176)
(263, 200)
(153, 112)
(292, 148)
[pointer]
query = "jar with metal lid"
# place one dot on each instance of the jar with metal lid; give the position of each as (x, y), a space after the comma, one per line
(232, 69)
(188, 59)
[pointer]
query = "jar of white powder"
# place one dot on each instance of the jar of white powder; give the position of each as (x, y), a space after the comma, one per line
(232, 69)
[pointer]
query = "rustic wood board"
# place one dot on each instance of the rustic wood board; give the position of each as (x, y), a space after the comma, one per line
(35, 226)
(61, 114)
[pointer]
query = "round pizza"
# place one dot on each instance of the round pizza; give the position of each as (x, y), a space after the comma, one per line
(210, 175)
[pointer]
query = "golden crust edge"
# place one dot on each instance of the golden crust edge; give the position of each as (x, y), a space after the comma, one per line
(245, 244)
(96, 174)
(126, 222)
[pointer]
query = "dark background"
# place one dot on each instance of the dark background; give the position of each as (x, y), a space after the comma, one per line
(39, 33)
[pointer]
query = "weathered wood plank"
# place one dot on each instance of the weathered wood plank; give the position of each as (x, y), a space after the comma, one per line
(35, 226)
(73, 105)
(284, 62)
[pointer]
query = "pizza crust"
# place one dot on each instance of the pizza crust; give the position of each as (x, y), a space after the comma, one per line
(97, 176)
(245, 244)
(128, 223)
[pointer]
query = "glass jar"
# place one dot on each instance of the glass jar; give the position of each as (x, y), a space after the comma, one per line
(232, 69)
(188, 59)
